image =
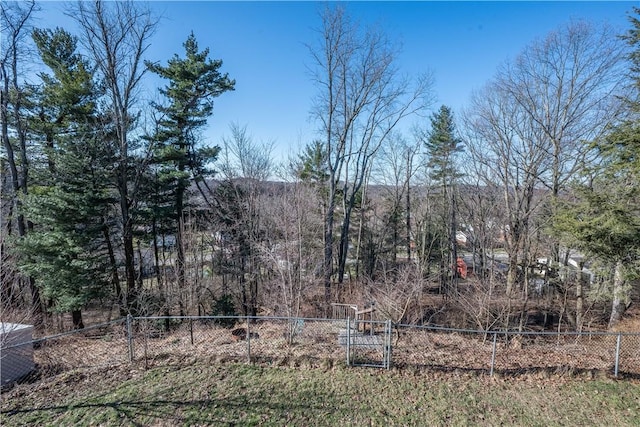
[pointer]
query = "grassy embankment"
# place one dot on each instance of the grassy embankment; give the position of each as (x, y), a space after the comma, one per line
(234, 394)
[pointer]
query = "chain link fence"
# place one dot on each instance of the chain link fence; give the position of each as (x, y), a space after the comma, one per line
(159, 341)
(97, 346)
(268, 340)
(517, 352)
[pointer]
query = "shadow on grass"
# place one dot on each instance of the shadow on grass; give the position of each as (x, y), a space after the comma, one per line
(228, 411)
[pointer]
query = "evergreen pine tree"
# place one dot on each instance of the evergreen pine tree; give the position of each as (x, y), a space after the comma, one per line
(442, 146)
(194, 82)
(66, 252)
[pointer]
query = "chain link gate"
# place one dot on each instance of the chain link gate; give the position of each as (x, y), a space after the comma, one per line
(371, 346)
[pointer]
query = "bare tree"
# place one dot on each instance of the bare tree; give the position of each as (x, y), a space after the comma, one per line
(292, 249)
(568, 85)
(396, 295)
(393, 172)
(514, 158)
(530, 123)
(243, 157)
(483, 222)
(361, 98)
(245, 166)
(116, 36)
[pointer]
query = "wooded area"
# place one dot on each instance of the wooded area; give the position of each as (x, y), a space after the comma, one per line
(520, 212)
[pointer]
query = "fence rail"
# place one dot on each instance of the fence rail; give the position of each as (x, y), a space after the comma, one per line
(154, 341)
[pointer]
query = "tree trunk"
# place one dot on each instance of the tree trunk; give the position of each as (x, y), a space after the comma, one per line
(127, 231)
(140, 275)
(343, 248)
(408, 217)
(579, 301)
(19, 176)
(514, 253)
(358, 253)
(115, 277)
(453, 243)
(180, 259)
(328, 245)
(620, 296)
(76, 318)
(129, 261)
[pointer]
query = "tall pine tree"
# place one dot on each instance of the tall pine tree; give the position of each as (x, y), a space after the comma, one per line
(442, 146)
(194, 82)
(66, 252)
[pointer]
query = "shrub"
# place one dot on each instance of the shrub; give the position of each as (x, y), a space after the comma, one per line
(224, 306)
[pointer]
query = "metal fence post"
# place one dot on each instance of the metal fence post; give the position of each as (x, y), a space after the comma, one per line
(493, 353)
(191, 330)
(348, 341)
(130, 336)
(617, 365)
(248, 342)
(387, 344)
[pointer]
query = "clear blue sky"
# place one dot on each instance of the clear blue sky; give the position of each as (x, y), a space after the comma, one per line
(263, 47)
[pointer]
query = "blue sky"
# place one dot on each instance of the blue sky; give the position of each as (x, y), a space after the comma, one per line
(263, 46)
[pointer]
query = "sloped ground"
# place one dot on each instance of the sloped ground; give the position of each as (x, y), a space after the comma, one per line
(197, 374)
(192, 392)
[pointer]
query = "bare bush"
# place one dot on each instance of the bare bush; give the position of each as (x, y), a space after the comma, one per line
(396, 293)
